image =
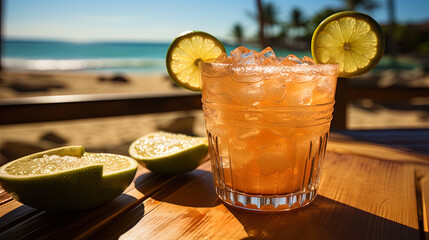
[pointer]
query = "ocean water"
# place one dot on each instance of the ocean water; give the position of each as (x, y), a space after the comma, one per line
(116, 57)
(47, 55)
(111, 57)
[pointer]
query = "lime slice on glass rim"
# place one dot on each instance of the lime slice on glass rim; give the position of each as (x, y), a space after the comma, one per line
(184, 54)
(67, 178)
(169, 153)
(353, 40)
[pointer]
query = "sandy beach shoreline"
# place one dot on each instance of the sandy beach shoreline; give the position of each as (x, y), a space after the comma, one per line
(48, 83)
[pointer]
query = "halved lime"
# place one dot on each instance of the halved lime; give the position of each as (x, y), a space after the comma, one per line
(184, 54)
(67, 178)
(169, 153)
(351, 39)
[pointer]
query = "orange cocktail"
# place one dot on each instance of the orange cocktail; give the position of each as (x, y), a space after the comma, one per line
(268, 124)
(268, 119)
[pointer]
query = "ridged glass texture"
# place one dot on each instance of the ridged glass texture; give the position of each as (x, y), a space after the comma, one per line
(267, 127)
(278, 178)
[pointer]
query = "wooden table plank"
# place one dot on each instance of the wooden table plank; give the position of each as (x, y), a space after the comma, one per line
(383, 188)
(13, 213)
(192, 212)
(411, 140)
(80, 224)
(128, 220)
(76, 228)
(360, 198)
(424, 192)
(4, 196)
(377, 152)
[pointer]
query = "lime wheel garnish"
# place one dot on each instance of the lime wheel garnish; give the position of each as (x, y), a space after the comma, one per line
(353, 40)
(185, 53)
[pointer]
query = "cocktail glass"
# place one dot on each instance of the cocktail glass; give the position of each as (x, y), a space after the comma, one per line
(268, 127)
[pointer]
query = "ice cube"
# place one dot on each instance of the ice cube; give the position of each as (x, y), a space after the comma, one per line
(299, 93)
(268, 57)
(223, 58)
(250, 94)
(247, 133)
(288, 62)
(270, 61)
(270, 150)
(245, 56)
(267, 53)
(240, 154)
(308, 60)
(294, 58)
(271, 162)
(275, 89)
(324, 92)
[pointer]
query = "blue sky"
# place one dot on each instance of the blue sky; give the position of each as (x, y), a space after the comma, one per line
(160, 20)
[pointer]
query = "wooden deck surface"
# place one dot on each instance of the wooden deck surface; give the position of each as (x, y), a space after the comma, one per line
(367, 191)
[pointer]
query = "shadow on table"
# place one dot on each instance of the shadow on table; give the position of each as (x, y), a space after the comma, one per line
(192, 189)
(35, 224)
(415, 140)
(322, 219)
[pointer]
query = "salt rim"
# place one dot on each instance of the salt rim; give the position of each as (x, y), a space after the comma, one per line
(173, 143)
(164, 145)
(252, 70)
(132, 164)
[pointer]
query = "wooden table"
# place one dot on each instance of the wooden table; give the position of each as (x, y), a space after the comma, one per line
(367, 191)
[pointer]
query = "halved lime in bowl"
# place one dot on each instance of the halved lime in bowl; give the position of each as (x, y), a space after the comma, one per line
(169, 153)
(184, 54)
(67, 178)
(353, 40)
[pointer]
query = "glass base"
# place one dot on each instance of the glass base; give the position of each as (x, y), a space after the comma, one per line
(263, 203)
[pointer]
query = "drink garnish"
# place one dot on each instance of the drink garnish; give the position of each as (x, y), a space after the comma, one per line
(169, 153)
(67, 178)
(184, 54)
(353, 40)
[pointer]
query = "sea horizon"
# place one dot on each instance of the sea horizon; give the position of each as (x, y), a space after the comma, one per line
(109, 56)
(116, 56)
(45, 55)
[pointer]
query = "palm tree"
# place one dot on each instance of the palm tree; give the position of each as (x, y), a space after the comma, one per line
(365, 4)
(391, 31)
(319, 17)
(266, 17)
(238, 32)
(261, 34)
(296, 18)
(314, 21)
(270, 15)
(297, 26)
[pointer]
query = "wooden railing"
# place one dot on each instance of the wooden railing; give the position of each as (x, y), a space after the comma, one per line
(346, 94)
(67, 107)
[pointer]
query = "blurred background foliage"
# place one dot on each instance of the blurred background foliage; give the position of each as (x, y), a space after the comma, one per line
(295, 30)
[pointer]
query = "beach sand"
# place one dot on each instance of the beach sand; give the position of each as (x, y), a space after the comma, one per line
(48, 83)
(114, 134)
